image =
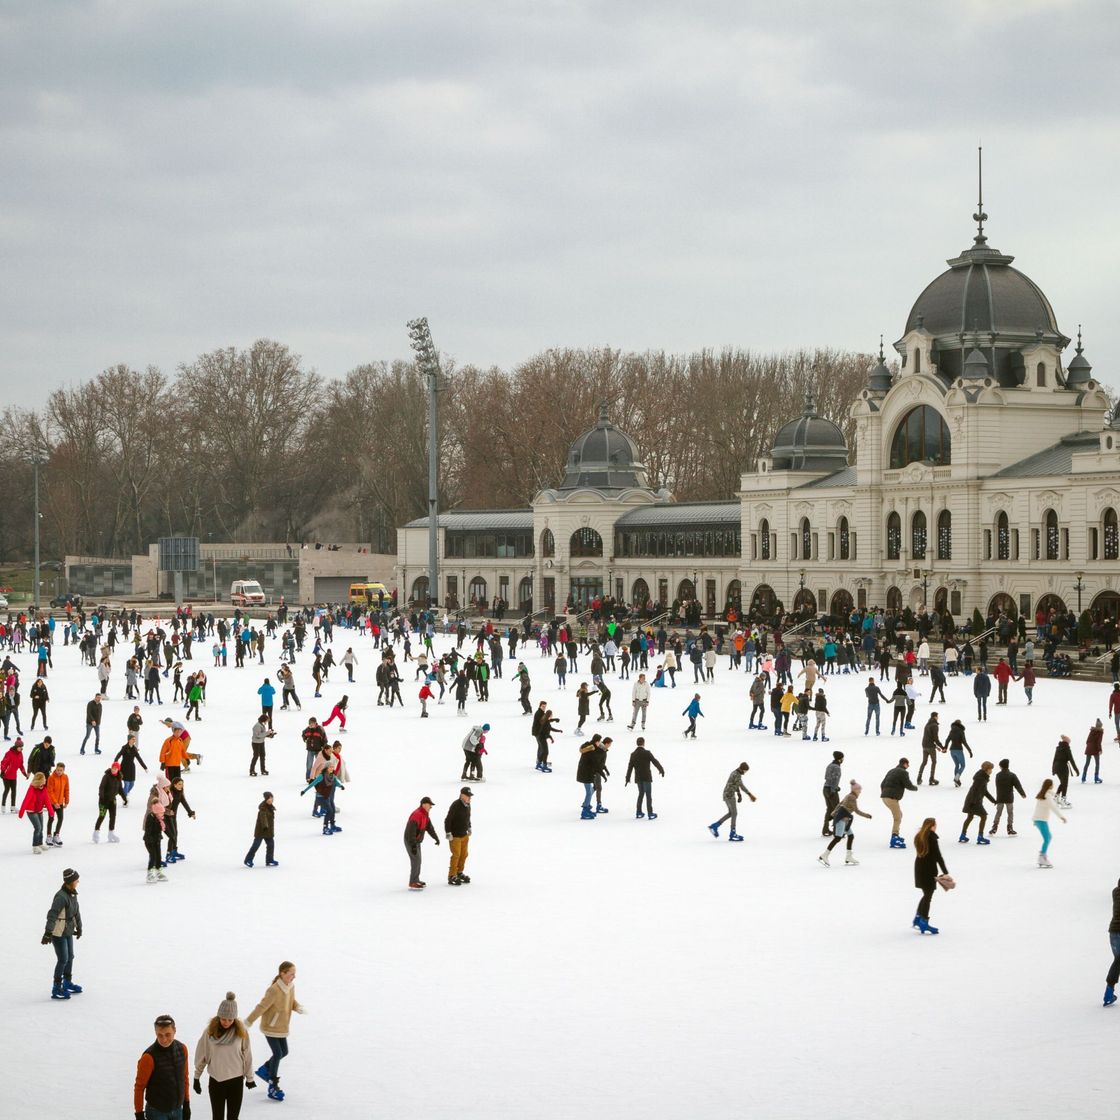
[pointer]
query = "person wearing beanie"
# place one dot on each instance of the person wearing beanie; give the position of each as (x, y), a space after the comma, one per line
(11, 766)
(1093, 752)
(58, 790)
(265, 832)
(842, 819)
(275, 1013)
(418, 823)
(107, 793)
(64, 926)
(224, 1048)
(1007, 783)
(474, 747)
(831, 791)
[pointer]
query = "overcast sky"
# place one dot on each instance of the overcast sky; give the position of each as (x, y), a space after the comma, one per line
(182, 176)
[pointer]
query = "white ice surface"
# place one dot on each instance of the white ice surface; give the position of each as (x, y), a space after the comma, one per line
(616, 967)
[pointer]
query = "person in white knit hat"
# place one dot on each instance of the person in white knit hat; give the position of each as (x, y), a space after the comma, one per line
(224, 1048)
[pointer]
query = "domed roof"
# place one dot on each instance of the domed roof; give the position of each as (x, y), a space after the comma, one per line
(982, 302)
(809, 443)
(880, 379)
(1079, 371)
(604, 458)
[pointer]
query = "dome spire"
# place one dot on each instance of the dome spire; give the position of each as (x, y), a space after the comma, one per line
(810, 405)
(880, 380)
(1079, 371)
(881, 355)
(604, 419)
(980, 217)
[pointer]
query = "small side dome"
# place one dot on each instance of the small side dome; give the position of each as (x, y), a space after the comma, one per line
(809, 443)
(975, 366)
(880, 379)
(1079, 372)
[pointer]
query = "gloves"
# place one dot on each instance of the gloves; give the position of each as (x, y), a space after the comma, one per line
(197, 1085)
(250, 1084)
(437, 841)
(302, 792)
(46, 939)
(78, 935)
(139, 1115)
(448, 837)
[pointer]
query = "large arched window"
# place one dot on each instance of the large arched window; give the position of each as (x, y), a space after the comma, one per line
(918, 536)
(1111, 540)
(1003, 537)
(894, 537)
(640, 594)
(477, 590)
(586, 542)
(525, 593)
(1053, 537)
(922, 436)
(845, 539)
(944, 535)
(419, 590)
(806, 536)
(764, 539)
(548, 543)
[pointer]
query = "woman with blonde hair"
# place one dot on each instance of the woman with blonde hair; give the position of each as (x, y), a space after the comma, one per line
(927, 859)
(224, 1048)
(1044, 805)
(275, 1013)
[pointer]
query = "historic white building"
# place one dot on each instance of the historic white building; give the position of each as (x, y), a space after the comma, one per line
(986, 471)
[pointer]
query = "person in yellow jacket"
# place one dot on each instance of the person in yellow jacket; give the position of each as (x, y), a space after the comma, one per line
(275, 1013)
(58, 790)
(789, 702)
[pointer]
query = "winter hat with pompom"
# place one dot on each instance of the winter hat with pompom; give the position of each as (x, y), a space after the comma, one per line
(227, 1009)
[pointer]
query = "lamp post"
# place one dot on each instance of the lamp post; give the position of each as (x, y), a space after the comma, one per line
(1079, 585)
(36, 458)
(926, 573)
(428, 361)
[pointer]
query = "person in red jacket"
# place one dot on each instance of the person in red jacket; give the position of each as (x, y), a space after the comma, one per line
(1002, 674)
(36, 802)
(417, 824)
(1114, 709)
(11, 766)
(426, 694)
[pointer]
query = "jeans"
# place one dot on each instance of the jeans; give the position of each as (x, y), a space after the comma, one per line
(269, 847)
(1044, 828)
(36, 820)
(645, 790)
(64, 951)
(1114, 968)
(279, 1048)
(1096, 760)
(872, 710)
(831, 800)
(126, 788)
(96, 729)
(1001, 806)
(981, 707)
(588, 789)
(958, 762)
(732, 813)
(151, 1113)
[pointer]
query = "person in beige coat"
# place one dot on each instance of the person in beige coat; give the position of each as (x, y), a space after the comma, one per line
(224, 1048)
(275, 1013)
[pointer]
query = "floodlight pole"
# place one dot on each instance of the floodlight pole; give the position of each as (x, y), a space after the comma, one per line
(35, 466)
(428, 360)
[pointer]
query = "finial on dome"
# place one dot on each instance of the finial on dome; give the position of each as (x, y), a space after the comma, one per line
(604, 419)
(810, 405)
(881, 355)
(1079, 338)
(1079, 371)
(980, 217)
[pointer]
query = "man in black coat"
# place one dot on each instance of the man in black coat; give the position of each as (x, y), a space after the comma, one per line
(641, 764)
(457, 826)
(1007, 784)
(931, 744)
(93, 723)
(894, 785)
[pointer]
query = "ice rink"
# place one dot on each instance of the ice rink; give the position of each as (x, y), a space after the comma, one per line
(616, 967)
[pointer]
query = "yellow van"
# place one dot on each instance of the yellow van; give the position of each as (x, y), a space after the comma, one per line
(368, 595)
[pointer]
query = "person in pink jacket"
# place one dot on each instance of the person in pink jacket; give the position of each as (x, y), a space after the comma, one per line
(35, 804)
(11, 766)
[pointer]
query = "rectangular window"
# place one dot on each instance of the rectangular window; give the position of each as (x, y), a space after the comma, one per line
(832, 546)
(1094, 547)
(503, 588)
(861, 596)
(954, 603)
(663, 592)
(1036, 544)
(1065, 544)
(754, 546)
(793, 546)
(1014, 544)
(854, 556)
(987, 544)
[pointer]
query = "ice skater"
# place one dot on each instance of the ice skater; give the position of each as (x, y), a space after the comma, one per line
(224, 1049)
(418, 824)
(974, 800)
(1044, 805)
(693, 712)
(64, 927)
(275, 1013)
(640, 768)
(842, 820)
(264, 832)
(927, 860)
(733, 790)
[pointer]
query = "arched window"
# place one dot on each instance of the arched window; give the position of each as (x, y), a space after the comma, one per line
(764, 539)
(476, 592)
(922, 436)
(944, 535)
(586, 542)
(734, 596)
(806, 539)
(548, 543)
(845, 539)
(640, 594)
(1053, 537)
(894, 599)
(1003, 537)
(419, 590)
(1040, 375)
(918, 536)
(525, 593)
(1111, 539)
(686, 590)
(894, 537)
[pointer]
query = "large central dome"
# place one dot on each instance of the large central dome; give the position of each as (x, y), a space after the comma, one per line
(604, 458)
(983, 303)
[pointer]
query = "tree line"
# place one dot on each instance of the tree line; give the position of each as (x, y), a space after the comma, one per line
(251, 445)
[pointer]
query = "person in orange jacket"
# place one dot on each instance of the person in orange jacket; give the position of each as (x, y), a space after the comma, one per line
(175, 755)
(58, 790)
(35, 804)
